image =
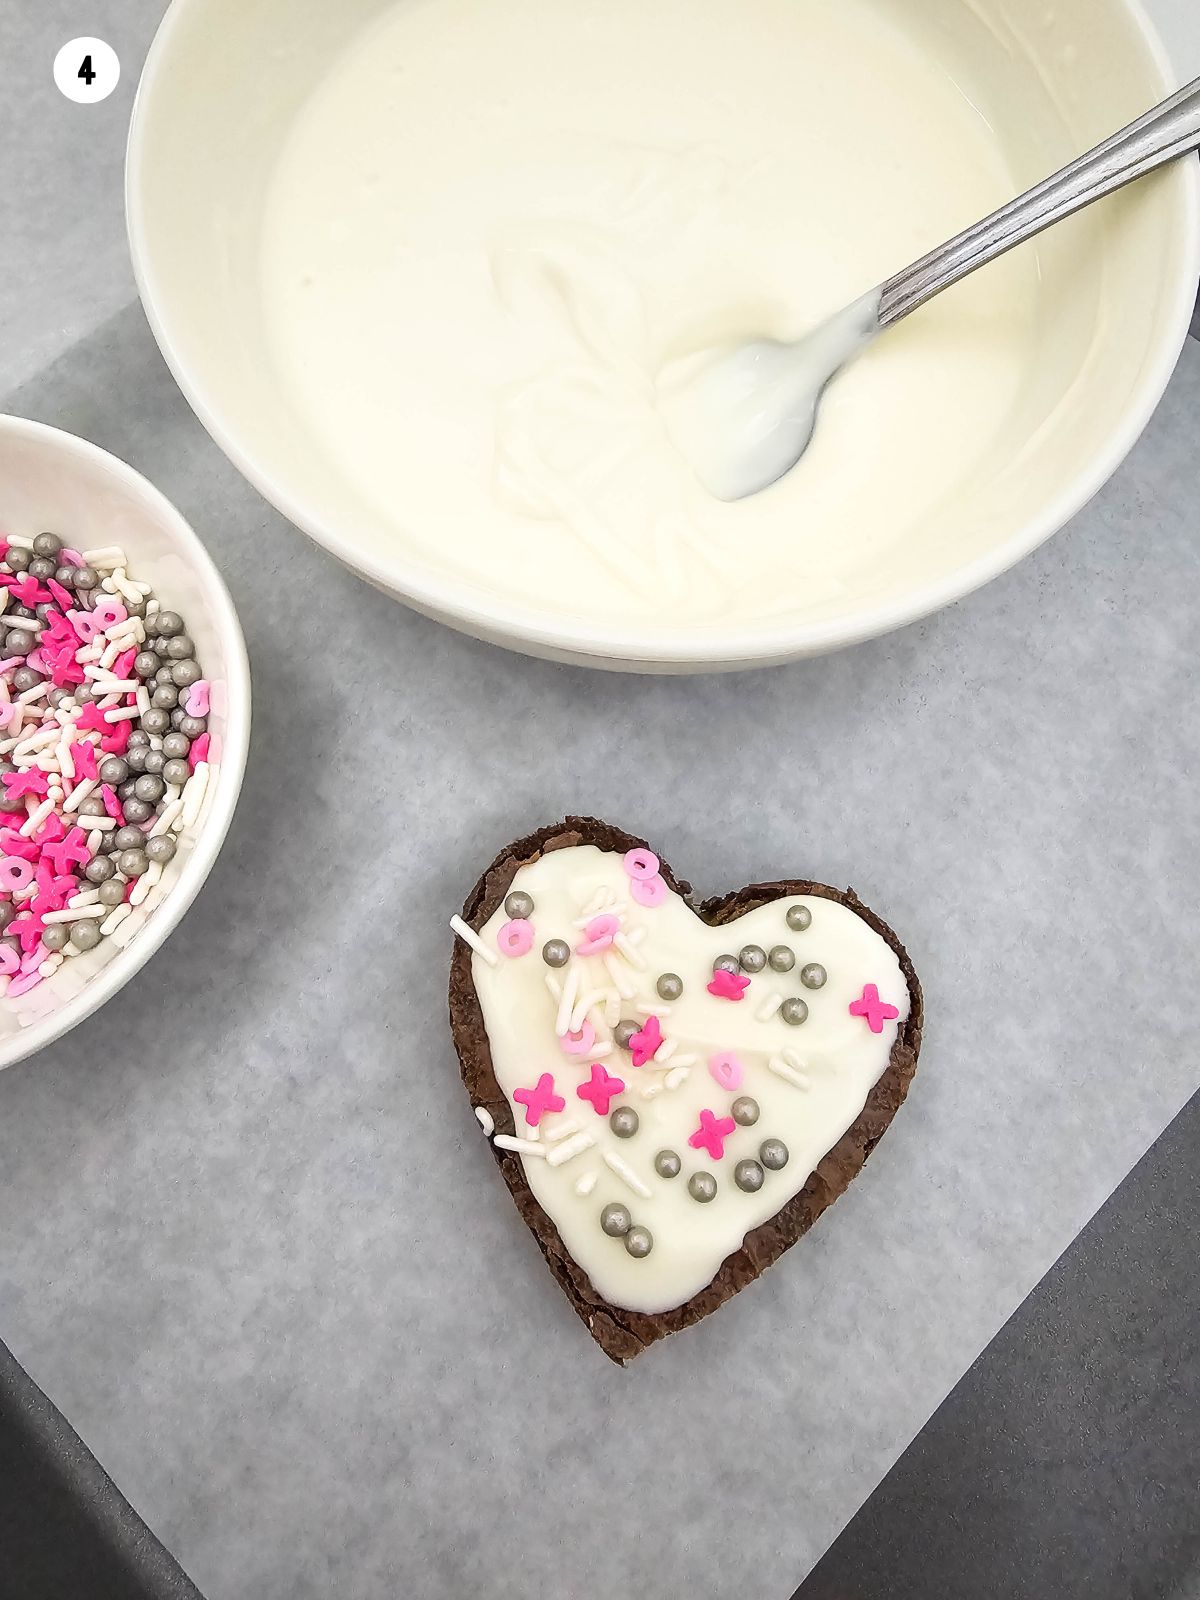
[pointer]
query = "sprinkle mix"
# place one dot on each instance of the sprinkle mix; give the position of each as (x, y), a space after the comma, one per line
(613, 1039)
(104, 752)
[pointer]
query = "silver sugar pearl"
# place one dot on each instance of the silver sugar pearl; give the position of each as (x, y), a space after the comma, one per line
(702, 1186)
(556, 952)
(624, 1032)
(748, 1175)
(639, 1242)
(780, 958)
(726, 964)
(794, 1011)
(813, 975)
(799, 918)
(667, 1164)
(519, 905)
(752, 958)
(616, 1220)
(744, 1111)
(624, 1122)
(669, 986)
(773, 1154)
(85, 935)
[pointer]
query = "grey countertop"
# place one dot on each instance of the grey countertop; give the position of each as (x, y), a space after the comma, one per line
(254, 1248)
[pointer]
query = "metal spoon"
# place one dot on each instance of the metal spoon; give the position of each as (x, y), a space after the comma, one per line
(743, 415)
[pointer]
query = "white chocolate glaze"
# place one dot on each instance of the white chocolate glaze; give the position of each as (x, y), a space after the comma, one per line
(830, 1063)
(494, 225)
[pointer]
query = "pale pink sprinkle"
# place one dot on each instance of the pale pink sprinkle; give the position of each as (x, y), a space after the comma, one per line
(641, 863)
(23, 984)
(515, 938)
(198, 699)
(649, 892)
(598, 935)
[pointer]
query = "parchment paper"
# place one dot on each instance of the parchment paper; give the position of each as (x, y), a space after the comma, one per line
(253, 1245)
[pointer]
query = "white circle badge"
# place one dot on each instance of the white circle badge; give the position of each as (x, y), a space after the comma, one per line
(86, 70)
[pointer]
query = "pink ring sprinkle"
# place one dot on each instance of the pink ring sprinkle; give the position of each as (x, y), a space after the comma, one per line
(515, 938)
(581, 1043)
(641, 864)
(15, 874)
(10, 961)
(727, 1069)
(598, 935)
(649, 891)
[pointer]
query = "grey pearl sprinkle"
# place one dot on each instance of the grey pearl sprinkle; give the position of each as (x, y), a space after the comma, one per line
(149, 787)
(180, 648)
(18, 642)
(135, 757)
(18, 560)
(185, 673)
(41, 568)
(7, 913)
(794, 1011)
(112, 893)
(702, 1186)
(667, 1164)
(624, 1122)
(813, 975)
(639, 1242)
(85, 935)
(55, 936)
(26, 678)
(176, 772)
(176, 746)
(748, 1175)
(12, 803)
(47, 544)
(165, 697)
(556, 952)
(156, 721)
(129, 838)
(137, 737)
(726, 964)
(780, 958)
(132, 863)
(57, 696)
(93, 807)
(669, 986)
(193, 726)
(177, 717)
(145, 663)
(161, 848)
(86, 578)
(126, 791)
(138, 810)
(744, 1111)
(66, 576)
(752, 958)
(99, 870)
(622, 1033)
(773, 1154)
(168, 623)
(616, 1220)
(44, 610)
(113, 769)
(517, 905)
(162, 678)
(154, 763)
(799, 918)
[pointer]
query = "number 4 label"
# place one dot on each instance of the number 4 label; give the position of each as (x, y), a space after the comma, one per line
(86, 70)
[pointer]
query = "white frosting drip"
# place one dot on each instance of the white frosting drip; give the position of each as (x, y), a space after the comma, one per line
(834, 1055)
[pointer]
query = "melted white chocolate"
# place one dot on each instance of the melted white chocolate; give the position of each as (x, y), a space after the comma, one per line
(829, 1065)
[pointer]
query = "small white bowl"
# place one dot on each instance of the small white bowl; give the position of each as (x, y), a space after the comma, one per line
(53, 480)
(223, 83)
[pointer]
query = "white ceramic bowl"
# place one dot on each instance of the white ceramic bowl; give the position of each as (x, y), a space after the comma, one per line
(50, 479)
(222, 85)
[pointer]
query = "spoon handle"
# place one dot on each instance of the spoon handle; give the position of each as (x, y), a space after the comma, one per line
(1170, 130)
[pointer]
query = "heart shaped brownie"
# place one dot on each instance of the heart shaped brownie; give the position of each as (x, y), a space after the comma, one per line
(674, 1093)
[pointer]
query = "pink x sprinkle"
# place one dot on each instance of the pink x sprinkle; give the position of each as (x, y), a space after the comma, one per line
(29, 592)
(598, 936)
(54, 890)
(199, 751)
(65, 670)
(61, 596)
(91, 719)
(83, 755)
(12, 844)
(600, 1089)
(27, 929)
(645, 1044)
(123, 665)
(538, 1100)
(112, 805)
(728, 985)
(72, 852)
(31, 781)
(712, 1134)
(51, 831)
(876, 1011)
